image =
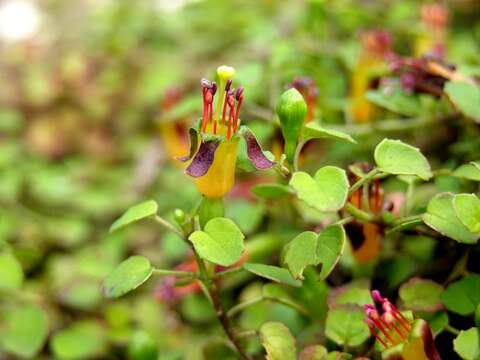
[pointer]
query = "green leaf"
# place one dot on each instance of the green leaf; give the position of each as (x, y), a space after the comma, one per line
(82, 340)
(327, 191)
(441, 217)
(127, 276)
(11, 273)
(356, 292)
(469, 171)
(278, 341)
(397, 158)
(24, 331)
(467, 208)
(271, 191)
(346, 325)
(398, 102)
(135, 213)
(438, 322)
(463, 296)
(246, 214)
(465, 97)
(467, 344)
(301, 252)
(315, 131)
(209, 209)
(421, 295)
(331, 244)
(313, 352)
(273, 273)
(221, 242)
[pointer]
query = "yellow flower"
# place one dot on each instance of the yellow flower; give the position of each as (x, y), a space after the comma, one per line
(214, 144)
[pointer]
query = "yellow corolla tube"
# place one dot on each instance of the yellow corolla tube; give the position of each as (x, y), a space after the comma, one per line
(375, 46)
(214, 143)
(220, 177)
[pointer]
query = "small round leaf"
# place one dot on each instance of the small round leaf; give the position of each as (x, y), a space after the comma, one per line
(11, 273)
(273, 273)
(127, 276)
(467, 207)
(278, 341)
(135, 213)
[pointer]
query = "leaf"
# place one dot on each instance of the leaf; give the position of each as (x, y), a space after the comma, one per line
(273, 273)
(24, 331)
(301, 252)
(11, 273)
(467, 208)
(397, 158)
(135, 213)
(327, 191)
(271, 191)
(313, 352)
(467, 344)
(463, 296)
(127, 276)
(346, 325)
(398, 101)
(278, 341)
(82, 340)
(441, 217)
(331, 244)
(315, 131)
(356, 292)
(221, 242)
(469, 171)
(421, 295)
(465, 97)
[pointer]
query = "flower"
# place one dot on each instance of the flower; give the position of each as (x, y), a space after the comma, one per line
(432, 38)
(173, 131)
(214, 141)
(376, 47)
(401, 336)
(365, 237)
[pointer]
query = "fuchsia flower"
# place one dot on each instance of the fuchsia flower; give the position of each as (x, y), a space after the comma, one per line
(401, 336)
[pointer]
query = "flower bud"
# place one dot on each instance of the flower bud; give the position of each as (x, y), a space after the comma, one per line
(179, 216)
(291, 111)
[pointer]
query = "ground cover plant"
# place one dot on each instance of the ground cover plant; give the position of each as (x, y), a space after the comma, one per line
(240, 180)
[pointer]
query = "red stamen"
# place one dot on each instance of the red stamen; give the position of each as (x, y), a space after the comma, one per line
(379, 325)
(215, 127)
(224, 108)
(235, 122)
(230, 119)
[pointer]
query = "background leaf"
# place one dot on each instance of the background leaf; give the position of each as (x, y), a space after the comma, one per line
(301, 252)
(346, 325)
(271, 191)
(24, 330)
(278, 341)
(465, 97)
(463, 296)
(421, 295)
(11, 273)
(467, 344)
(313, 130)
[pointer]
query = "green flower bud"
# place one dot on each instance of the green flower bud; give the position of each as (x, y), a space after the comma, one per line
(291, 111)
(179, 216)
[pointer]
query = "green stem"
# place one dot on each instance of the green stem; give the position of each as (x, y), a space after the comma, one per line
(168, 225)
(163, 272)
(404, 225)
(239, 307)
(452, 330)
(360, 214)
(344, 221)
(212, 290)
(298, 151)
(364, 180)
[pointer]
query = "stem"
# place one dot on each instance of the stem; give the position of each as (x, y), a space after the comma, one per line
(222, 316)
(360, 214)
(405, 225)
(239, 307)
(298, 150)
(366, 179)
(168, 226)
(163, 272)
(344, 221)
(452, 330)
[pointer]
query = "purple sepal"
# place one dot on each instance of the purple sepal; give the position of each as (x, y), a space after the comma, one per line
(255, 153)
(193, 135)
(203, 159)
